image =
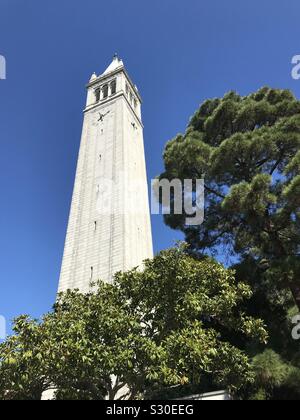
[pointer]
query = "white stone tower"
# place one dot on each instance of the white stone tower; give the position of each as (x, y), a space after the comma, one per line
(109, 226)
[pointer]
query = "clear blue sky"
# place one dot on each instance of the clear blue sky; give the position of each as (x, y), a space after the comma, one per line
(177, 52)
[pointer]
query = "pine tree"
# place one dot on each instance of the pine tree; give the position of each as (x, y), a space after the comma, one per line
(248, 151)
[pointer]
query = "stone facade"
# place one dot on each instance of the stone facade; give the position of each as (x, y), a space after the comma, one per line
(109, 226)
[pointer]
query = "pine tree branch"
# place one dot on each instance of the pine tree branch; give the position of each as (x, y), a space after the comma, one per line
(214, 192)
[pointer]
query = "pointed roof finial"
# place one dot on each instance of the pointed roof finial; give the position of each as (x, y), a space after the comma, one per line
(115, 64)
(93, 76)
(116, 56)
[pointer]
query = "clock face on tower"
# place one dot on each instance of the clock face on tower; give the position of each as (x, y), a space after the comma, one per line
(100, 116)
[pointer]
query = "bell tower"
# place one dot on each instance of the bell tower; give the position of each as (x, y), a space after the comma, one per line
(109, 226)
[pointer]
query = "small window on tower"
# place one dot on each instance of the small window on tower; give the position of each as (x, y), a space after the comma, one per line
(105, 91)
(135, 103)
(97, 94)
(92, 272)
(127, 89)
(113, 87)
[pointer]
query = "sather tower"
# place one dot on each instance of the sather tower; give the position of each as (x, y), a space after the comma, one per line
(109, 226)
